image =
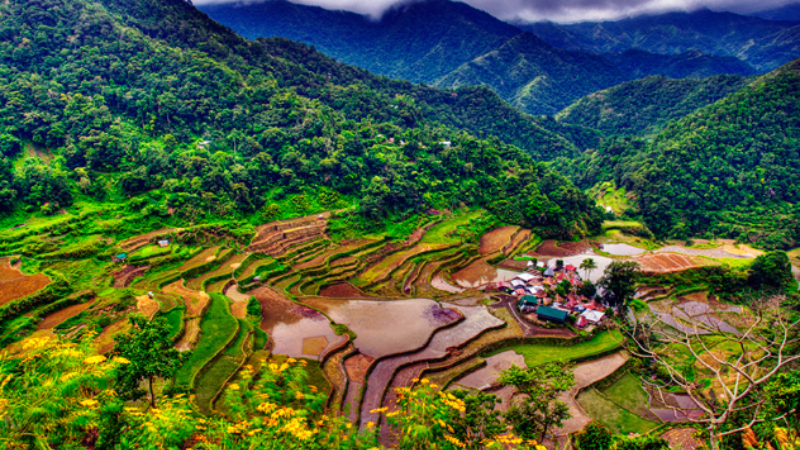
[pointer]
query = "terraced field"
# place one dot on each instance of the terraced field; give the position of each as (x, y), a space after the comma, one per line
(371, 314)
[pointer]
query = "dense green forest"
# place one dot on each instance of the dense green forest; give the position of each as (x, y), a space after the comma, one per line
(644, 106)
(124, 98)
(729, 169)
(451, 44)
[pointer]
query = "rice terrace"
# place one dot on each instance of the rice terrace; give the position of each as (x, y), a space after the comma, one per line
(454, 300)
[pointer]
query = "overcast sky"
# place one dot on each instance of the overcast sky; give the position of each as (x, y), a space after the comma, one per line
(555, 10)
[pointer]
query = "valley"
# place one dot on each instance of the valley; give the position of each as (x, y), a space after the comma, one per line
(538, 236)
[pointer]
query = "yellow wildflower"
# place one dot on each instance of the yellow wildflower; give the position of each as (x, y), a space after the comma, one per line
(90, 403)
(97, 359)
(233, 387)
(120, 360)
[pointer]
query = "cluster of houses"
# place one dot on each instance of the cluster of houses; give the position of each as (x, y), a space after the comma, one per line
(535, 289)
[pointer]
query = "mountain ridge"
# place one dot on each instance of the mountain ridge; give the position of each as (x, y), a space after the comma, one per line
(443, 43)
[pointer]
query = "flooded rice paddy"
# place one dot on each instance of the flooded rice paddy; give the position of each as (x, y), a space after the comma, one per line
(385, 328)
(622, 249)
(295, 330)
(480, 273)
(486, 377)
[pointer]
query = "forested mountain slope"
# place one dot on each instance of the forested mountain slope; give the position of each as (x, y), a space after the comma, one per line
(450, 44)
(643, 107)
(117, 94)
(730, 169)
(763, 44)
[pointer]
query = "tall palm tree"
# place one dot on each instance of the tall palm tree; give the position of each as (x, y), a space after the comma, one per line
(588, 265)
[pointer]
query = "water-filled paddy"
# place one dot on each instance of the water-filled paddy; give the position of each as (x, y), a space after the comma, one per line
(387, 327)
(481, 273)
(622, 249)
(294, 329)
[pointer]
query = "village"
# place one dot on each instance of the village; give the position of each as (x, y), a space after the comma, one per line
(554, 295)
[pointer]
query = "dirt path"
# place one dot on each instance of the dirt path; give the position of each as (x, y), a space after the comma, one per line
(585, 375)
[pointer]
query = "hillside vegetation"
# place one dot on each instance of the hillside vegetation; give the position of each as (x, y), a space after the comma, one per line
(643, 107)
(123, 95)
(729, 169)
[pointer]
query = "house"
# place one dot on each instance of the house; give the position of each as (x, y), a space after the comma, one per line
(447, 144)
(526, 277)
(204, 144)
(527, 304)
(570, 268)
(517, 284)
(119, 258)
(582, 322)
(549, 272)
(593, 316)
(552, 314)
(163, 243)
(256, 279)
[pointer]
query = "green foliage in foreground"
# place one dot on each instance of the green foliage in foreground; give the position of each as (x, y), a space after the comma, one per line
(60, 395)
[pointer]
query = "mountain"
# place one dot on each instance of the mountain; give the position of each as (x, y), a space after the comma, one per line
(790, 12)
(691, 64)
(731, 169)
(763, 44)
(643, 107)
(150, 106)
(450, 44)
(536, 76)
(423, 39)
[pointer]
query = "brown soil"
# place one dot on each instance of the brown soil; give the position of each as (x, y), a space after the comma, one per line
(517, 240)
(356, 367)
(314, 346)
(550, 248)
(190, 333)
(510, 264)
(682, 439)
(343, 261)
(195, 301)
(60, 316)
(20, 286)
(495, 240)
(104, 342)
(135, 242)
(341, 290)
(125, 277)
(664, 262)
(239, 310)
(147, 306)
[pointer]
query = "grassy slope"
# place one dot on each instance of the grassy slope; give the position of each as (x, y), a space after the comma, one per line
(537, 354)
(217, 329)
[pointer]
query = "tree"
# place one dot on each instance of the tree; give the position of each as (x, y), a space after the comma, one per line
(148, 348)
(595, 436)
(588, 265)
(619, 281)
(540, 411)
(480, 420)
(745, 382)
(770, 271)
(587, 289)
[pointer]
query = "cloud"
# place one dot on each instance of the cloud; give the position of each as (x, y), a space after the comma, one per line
(554, 10)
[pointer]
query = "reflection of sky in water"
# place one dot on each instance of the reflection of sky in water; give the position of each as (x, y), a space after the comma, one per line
(383, 327)
(288, 338)
(622, 249)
